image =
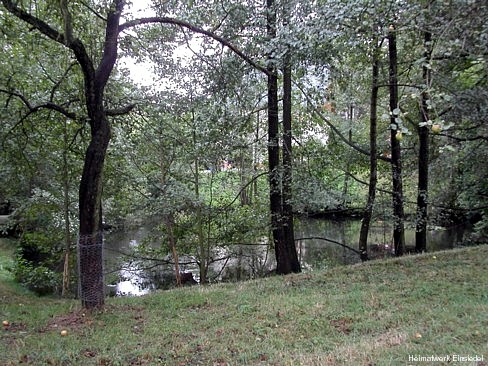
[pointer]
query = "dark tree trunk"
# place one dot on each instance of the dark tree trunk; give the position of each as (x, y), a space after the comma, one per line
(373, 160)
(396, 159)
(90, 245)
(288, 228)
(423, 183)
(275, 196)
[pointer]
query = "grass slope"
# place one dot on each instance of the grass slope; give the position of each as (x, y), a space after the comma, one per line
(376, 313)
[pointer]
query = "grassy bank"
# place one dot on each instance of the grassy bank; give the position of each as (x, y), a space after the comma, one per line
(376, 313)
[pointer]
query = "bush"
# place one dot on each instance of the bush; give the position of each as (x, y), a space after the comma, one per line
(39, 279)
(40, 249)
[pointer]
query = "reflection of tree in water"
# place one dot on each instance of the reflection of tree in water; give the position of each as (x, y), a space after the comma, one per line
(326, 247)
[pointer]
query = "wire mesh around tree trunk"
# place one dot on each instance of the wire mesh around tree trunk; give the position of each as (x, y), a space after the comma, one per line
(90, 270)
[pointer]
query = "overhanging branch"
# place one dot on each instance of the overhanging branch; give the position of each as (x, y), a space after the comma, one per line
(33, 109)
(330, 241)
(38, 24)
(120, 111)
(195, 29)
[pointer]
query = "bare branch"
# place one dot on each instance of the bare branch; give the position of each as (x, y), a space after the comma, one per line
(97, 14)
(18, 95)
(58, 83)
(330, 241)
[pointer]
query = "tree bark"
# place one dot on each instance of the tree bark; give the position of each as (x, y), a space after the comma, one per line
(373, 161)
(288, 226)
(396, 159)
(423, 162)
(275, 194)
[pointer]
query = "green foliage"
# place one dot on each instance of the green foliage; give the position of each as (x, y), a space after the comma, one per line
(37, 278)
(41, 247)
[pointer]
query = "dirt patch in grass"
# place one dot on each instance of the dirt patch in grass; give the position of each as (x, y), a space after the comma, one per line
(73, 320)
(83, 318)
(342, 325)
(359, 352)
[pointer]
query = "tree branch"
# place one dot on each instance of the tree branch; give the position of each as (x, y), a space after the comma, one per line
(97, 14)
(120, 111)
(193, 28)
(18, 95)
(327, 121)
(110, 46)
(68, 27)
(32, 109)
(330, 241)
(74, 44)
(38, 24)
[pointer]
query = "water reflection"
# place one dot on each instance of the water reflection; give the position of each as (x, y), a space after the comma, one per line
(317, 245)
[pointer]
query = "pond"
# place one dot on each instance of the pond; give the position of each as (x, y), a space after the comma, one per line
(318, 245)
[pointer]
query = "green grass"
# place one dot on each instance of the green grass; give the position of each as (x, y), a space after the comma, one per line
(358, 315)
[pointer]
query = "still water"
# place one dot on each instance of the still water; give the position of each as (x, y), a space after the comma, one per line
(318, 245)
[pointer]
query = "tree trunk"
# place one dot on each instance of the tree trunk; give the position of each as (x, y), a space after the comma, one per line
(373, 160)
(202, 248)
(275, 196)
(396, 159)
(67, 227)
(347, 173)
(288, 228)
(423, 182)
(170, 224)
(90, 244)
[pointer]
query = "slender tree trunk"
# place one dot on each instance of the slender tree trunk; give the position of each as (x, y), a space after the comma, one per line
(199, 214)
(256, 161)
(67, 226)
(373, 160)
(345, 188)
(245, 193)
(170, 223)
(288, 227)
(423, 182)
(275, 194)
(396, 159)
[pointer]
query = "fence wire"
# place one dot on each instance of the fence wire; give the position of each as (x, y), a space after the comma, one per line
(90, 269)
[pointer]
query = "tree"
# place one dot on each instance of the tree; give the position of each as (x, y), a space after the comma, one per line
(280, 181)
(275, 195)
(288, 228)
(423, 159)
(373, 160)
(395, 138)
